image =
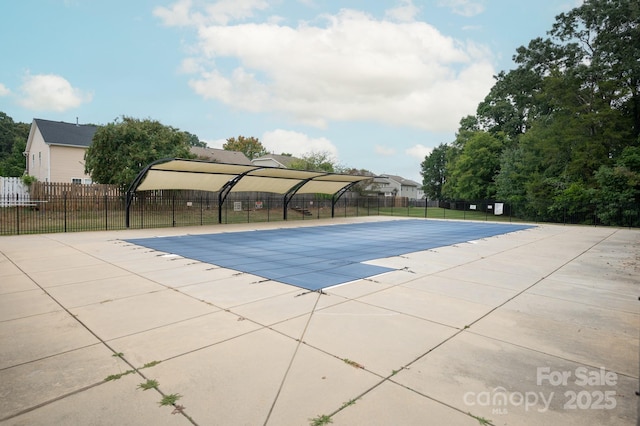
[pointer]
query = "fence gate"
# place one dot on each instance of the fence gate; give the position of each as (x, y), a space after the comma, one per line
(13, 192)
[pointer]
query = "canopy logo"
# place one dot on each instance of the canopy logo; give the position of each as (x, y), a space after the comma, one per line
(587, 392)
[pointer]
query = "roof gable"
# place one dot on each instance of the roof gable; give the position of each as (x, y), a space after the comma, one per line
(402, 181)
(61, 133)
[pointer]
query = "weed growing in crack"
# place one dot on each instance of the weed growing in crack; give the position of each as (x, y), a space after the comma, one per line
(170, 399)
(481, 420)
(348, 403)
(321, 420)
(117, 376)
(149, 384)
(353, 363)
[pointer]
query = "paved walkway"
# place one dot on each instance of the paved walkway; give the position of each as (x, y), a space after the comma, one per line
(534, 327)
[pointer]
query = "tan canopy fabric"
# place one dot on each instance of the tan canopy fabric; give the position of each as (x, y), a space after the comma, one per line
(205, 176)
(225, 178)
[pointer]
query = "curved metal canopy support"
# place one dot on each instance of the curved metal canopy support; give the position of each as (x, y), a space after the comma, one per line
(289, 195)
(335, 197)
(134, 185)
(227, 187)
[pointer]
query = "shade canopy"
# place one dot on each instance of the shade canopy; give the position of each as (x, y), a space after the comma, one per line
(224, 178)
(205, 176)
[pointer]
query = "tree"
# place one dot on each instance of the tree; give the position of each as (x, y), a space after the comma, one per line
(315, 161)
(13, 140)
(471, 176)
(564, 117)
(14, 163)
(434, 172)
(120, 150)
(619, 194)
(251, 147)
(195, 140)
(603, 37)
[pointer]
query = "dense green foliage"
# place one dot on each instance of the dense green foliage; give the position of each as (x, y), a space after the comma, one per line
(320, 161)
(434, 171)
(559, 134)
(13, 141)
(120, 150)
(251, 146)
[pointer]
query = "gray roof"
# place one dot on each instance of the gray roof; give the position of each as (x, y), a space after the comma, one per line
(285, 160)
(221, 155)
(61, 133)
(402, 181)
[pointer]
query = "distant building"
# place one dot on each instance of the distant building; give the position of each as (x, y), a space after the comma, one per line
(397, 186)
(55, 151)
(221, 156)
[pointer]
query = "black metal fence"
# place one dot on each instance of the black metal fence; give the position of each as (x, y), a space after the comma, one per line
(106, 210)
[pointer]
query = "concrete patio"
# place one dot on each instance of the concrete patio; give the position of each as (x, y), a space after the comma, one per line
(534, 327)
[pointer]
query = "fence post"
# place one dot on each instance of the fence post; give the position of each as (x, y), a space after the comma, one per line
(17, 216)
(173, 210)
(106, 213)
(65, 210)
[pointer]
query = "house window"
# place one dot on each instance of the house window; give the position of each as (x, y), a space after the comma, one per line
(87, 181)
(76, 180)
(39, 158)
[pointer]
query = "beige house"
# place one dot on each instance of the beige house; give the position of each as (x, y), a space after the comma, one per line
(392, 186)
(273, 160)
(55, 151)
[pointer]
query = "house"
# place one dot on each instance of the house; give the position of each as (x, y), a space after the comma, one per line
(221, 156)
(392, 186)
(273, 160)
(55, 151)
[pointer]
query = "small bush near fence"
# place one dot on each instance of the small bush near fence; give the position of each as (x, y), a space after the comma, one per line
(56, 207)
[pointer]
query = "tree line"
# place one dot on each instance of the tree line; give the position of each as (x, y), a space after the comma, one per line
(560, 133)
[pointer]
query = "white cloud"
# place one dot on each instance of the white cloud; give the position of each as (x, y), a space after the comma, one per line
(418, 151)
(178, 15)
(4, 90)
(405, 12)
(466, 8)
(50, 92)
(400, 73)
(384, 151)
(220, 12)
(216, 143)
(295, 143)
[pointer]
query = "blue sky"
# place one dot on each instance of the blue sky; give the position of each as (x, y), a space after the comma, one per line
(376, 84)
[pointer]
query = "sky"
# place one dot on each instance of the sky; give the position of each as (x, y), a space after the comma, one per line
(374, 84)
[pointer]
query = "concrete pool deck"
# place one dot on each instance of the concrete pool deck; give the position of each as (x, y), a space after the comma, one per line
(538, 326)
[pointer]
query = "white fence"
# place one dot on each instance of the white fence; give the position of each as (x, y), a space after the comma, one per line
(13, 192)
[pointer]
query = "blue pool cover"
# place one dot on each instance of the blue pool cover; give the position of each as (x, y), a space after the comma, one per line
(317, 257)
